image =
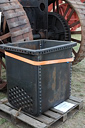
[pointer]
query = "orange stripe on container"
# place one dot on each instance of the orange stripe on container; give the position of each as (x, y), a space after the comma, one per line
(36, 63)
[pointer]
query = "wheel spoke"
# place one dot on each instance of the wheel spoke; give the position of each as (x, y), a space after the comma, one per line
(74, 24)
(78, 41)
(76, 32)
(70, 15)
(67, 9)
(4, 25)
(5, 36)
(74, 52)
(2, 63)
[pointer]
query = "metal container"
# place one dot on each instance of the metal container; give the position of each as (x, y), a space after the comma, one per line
(33, 86)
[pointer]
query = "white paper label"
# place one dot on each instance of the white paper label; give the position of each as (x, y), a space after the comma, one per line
(64, 107)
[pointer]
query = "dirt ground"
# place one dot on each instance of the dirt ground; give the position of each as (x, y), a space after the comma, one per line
(78, 90)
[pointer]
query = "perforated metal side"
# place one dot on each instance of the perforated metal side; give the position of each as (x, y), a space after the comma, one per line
(20, 99)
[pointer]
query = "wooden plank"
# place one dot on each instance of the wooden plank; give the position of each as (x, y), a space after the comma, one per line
(13, 15)
(45, 119)
(73, 102)
(22, 117)
(26, 39)
(5, 108)
(64, 118)
(17, 33)
(5, 36)
(80, 106)
(10, 7)
(41, 118)
(55, 110)
(6, 1)
(53, 115)
(32, 122)
(18, 23)
(75, 99)
(4, 99)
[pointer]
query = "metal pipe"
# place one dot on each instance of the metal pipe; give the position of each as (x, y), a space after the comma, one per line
(36, 36)
(40, 36)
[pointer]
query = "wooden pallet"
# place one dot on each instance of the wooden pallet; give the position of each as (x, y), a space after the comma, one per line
(47, 120)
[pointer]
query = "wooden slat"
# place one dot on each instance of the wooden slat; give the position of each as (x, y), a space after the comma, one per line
(32, 122)
(17, 33)
(45, 119)
(80, 106)
(6, 1)
(18, 23)
(13, 15)
(57, 111)
(75, 99)
(41, 118)
(73, 102)
(22, 40)
(4, 25)
(5, 36)
(5, 8)
(5, 108)
(53, 115)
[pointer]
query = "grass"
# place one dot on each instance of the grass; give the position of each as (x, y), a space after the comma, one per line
(78, 37)
(2, 121)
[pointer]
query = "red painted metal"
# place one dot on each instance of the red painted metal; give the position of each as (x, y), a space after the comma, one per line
(62, 9)
(83, 1)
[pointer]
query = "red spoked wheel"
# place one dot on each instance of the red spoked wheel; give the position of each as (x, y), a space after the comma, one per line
(74, 13)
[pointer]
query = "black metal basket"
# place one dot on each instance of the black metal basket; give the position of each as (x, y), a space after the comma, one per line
(36, 88)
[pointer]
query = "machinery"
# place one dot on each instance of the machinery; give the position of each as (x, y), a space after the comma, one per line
(26, 20)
